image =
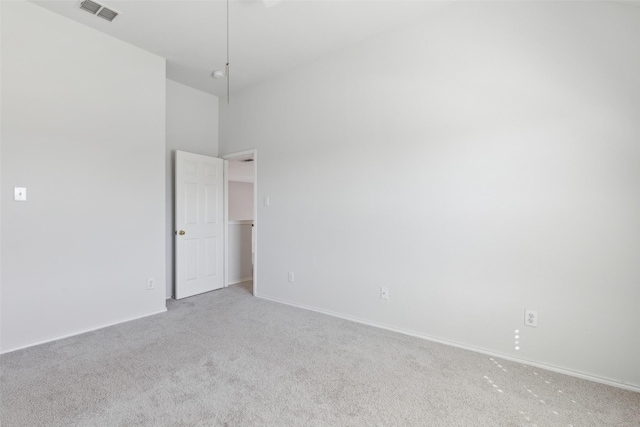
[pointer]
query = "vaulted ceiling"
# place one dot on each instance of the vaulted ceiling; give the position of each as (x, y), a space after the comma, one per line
(263, 41)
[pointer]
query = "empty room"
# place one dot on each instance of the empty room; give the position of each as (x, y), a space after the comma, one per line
(319, 213)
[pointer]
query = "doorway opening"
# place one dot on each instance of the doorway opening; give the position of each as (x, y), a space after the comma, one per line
(241, 222)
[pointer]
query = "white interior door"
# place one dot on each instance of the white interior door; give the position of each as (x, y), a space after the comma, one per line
(199, 224)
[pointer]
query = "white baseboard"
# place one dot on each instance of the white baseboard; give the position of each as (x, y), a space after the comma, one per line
(84, 331)
(235, 281)
(577, 374)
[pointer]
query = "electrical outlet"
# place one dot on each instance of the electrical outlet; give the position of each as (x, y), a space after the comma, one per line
(384, 292)
(531, 318)
(151, 284)
(291, 276)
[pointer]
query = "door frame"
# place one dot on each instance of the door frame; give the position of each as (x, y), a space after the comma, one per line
(254, 154)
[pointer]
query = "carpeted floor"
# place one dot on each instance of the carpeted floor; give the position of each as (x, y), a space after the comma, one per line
(228, 359)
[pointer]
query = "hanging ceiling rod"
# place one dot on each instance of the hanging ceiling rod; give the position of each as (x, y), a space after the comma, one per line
(227, 66)
(217, 74)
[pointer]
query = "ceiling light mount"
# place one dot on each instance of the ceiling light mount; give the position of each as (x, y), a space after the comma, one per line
(271, 3)
(217, 74)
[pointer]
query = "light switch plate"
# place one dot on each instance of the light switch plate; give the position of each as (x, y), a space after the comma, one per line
(20, 194)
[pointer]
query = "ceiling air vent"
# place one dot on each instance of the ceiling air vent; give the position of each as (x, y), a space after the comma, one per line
(90, 6)
(107, 14)
(98, 10)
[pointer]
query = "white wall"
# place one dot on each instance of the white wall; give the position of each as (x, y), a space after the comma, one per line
(192, 126)
(240, 211)
(240, 265)
(83, 128)
(480, 161)
(240, 200)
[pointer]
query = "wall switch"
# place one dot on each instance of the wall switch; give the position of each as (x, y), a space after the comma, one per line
(151, 284)
(531, 318)
(20, 194)
(291, 276)
(266, 201)
(384, 292)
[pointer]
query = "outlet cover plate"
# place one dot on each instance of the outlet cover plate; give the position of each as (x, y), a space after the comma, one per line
(531, 318)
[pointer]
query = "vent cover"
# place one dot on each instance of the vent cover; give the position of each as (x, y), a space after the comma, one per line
(107, 14)
(98, 10)
(90, 6)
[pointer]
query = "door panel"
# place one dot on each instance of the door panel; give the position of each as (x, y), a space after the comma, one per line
(190, 203)
(191, 257)
(211, 198)
(211, 246)
(199, 225)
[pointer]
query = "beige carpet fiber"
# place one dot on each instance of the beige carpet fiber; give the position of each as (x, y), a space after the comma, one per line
(228, 359)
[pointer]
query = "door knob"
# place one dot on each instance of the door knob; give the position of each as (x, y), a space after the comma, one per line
(181, 232)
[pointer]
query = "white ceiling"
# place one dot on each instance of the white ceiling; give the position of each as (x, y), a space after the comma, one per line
(263, 40)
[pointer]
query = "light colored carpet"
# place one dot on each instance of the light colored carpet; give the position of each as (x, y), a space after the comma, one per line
(228, 359)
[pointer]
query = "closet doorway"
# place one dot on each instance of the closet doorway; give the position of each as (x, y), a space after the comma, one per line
(241, 218)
